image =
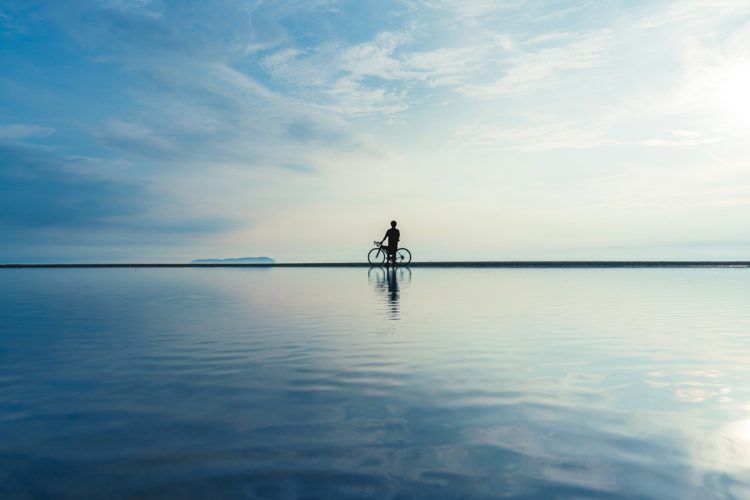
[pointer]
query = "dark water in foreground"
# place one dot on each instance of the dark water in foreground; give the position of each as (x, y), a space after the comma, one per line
(339, 383)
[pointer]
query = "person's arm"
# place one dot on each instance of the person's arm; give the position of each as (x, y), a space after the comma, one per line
(384, 237)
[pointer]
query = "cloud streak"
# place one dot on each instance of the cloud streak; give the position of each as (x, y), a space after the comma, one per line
(538, 138)
(535, 68)
(40, 190)
(20, 131)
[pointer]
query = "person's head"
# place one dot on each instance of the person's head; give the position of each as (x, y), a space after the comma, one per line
(393, 223)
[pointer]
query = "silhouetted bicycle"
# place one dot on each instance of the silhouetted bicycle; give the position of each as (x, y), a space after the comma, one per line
(379, 255)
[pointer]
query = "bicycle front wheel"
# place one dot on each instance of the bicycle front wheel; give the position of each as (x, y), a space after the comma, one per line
(403, 256)
(376, 257)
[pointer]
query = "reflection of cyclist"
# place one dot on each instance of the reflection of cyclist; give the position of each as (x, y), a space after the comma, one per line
(393, 236)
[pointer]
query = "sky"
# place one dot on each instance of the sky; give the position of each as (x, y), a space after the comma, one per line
(166, 131)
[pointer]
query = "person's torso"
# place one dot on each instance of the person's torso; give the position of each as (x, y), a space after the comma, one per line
(393, 235)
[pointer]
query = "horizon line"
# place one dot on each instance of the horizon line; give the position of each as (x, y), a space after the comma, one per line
(426, 264)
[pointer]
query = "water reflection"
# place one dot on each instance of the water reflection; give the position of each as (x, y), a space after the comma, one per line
(387, 282)
(288, 383)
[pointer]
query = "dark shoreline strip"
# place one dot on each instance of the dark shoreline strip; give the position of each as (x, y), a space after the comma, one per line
(561, 264)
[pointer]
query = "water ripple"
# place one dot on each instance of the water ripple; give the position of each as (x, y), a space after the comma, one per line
(312, 383)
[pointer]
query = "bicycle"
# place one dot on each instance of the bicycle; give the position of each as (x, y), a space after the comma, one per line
(379, 255)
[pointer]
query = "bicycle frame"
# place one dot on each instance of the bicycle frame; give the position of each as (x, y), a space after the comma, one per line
(388, 256)
(384, 249)
(380, 255)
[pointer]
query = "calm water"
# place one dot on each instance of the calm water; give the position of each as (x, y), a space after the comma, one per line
(344, 383)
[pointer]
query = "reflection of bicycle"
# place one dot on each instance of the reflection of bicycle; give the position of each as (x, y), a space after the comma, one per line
(378, 276)
(389, 283)
(379, 255)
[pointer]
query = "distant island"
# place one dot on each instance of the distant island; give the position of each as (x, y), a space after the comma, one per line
(237, 260)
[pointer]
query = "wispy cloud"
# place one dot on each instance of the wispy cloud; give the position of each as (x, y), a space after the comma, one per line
(333, 75)
(19, 131)
(352, 98)
(376, 57)
(41, 189)
(473, 10)
(534, 68)
(454, 66)
(683, 138)
(684, 11)
(385, 72)
(38, 189)
(140, 7)
(538, 138)
(137, 138)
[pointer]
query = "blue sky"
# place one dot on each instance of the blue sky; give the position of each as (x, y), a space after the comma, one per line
(147, 130)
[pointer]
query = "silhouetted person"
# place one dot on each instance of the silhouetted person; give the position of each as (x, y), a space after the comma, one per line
(393, 236)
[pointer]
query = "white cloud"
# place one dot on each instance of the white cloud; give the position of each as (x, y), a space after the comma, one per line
(376, 57)
(129, 134)
(330, 76)
(537, 138)
(453, 66)
(683, 138)
(140, 7)
(352, 98)
(339, 71)
(530, 70)
(253, 48)
(684, 11)
(473, 10)
(20, 131)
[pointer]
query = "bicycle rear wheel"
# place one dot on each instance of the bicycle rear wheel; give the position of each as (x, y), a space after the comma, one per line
(403, 256)
(376, 257)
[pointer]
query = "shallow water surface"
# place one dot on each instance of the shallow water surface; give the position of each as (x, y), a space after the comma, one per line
(356, 383)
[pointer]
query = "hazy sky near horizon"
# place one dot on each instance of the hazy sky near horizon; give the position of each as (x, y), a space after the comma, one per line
(156, 130)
